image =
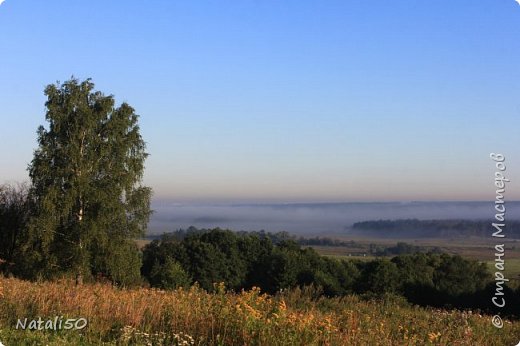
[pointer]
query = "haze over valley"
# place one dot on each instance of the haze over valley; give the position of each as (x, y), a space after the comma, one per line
(312, 218)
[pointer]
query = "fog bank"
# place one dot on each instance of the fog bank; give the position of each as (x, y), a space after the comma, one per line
(308, 218)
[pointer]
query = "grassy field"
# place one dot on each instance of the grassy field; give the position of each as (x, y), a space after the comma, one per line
(472, 248)
(511, 269)
(195, 317)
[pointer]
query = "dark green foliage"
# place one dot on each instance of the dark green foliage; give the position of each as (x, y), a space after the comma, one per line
(337, 276)
(122, 261)
(282, 270)
(14, 212)
(243, 260)
(379, 277)
(326, 241)
(433, 279)
(431, 228)
(401, 248)
(455, 275)
(415, 274)
(207, 264)
(169, 275)
(86, 183)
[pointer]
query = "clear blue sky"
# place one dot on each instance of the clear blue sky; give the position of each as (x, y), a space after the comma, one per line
(282, 100)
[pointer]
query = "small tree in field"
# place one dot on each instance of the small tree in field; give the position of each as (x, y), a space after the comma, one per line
(86, 183)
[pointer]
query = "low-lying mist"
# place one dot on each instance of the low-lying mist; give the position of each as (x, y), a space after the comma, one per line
(309, 218)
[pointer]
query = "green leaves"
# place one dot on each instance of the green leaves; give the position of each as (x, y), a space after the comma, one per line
(86, 177)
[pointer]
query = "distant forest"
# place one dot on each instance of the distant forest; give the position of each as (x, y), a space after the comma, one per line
(275, 237)
(401, 248)
(413, 228)
(243, 260)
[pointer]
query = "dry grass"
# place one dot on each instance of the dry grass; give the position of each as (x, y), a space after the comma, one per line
(184, 317)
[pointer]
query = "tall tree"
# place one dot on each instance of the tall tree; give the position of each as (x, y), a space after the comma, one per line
(86, 181)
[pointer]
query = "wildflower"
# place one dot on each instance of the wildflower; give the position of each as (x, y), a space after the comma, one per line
(433, 336)
(282, 306)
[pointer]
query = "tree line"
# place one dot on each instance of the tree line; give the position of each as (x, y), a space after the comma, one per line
(433, 228)
(276, 237)
(243, 260)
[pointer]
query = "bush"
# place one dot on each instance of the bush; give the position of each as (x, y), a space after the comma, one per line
(169, 275)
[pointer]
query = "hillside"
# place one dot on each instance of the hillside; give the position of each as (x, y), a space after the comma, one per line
(195, 317)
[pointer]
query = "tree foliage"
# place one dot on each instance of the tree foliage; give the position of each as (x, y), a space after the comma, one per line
(15, 208)
(242, 260)
(86, 182)
(413, 228)
(169, 275)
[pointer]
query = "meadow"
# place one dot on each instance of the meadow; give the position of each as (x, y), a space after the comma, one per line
(475, 248)
(144, 316)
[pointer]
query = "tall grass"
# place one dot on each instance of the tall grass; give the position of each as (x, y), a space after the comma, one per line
(193, 316)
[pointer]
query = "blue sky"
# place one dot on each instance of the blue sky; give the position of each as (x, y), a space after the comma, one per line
(282, 101)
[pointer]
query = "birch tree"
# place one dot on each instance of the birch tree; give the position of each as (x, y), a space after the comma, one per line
(87, 183)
